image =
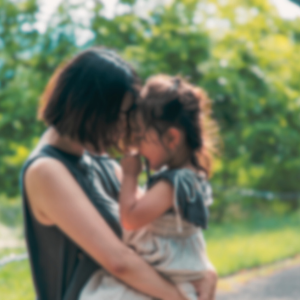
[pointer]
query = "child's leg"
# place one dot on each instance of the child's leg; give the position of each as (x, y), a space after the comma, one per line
(206, 286)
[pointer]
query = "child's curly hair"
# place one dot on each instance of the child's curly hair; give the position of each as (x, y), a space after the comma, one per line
(167, 101)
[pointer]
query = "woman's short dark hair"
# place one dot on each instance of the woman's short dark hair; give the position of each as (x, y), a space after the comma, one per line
(83, 98)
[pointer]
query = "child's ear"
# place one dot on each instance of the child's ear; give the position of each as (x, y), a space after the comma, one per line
(173, 138)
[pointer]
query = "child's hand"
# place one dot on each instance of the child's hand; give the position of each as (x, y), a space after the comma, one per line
(131, 165)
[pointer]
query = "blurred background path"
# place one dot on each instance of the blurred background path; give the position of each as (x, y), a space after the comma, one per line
(281, 285)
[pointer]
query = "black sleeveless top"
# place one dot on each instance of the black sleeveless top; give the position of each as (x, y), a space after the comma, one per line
(59, 267)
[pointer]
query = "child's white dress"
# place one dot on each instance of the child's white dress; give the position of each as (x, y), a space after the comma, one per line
(173, 244)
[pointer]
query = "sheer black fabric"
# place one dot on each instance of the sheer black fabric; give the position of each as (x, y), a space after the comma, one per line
(59, 267)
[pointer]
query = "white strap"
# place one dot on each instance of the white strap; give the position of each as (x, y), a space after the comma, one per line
(176, 207)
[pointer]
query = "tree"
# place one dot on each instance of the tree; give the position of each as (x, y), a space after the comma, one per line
(240, 51)
(27, 60)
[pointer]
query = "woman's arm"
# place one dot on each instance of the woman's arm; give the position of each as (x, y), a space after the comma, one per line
(138, 210)
(54, 194)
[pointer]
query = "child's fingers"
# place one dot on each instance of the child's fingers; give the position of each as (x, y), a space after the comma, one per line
(131, 157)
(131, 164)
(132, 152)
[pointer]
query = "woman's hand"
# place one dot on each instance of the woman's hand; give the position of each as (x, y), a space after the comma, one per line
(206, 286)
(131, 165)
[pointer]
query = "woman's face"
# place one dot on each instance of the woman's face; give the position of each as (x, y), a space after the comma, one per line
(123, 115)
(121, 126)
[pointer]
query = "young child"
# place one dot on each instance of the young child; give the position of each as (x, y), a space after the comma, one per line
(164, 224)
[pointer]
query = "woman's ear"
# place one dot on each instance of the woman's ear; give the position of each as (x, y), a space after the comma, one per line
(173, 137)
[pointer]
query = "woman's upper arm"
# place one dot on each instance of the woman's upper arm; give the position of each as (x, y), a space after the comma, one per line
(54, 192)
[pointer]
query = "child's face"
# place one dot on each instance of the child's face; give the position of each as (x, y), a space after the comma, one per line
(151, 146)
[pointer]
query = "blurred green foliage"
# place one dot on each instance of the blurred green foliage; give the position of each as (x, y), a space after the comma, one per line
(15, 281)
(10, 212)
(241, 52)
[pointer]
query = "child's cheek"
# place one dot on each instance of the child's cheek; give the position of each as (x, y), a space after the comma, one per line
(142, 149)
(144, 153)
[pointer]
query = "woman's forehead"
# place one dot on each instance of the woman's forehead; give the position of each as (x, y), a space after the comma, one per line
(140, 125)
(127, 102)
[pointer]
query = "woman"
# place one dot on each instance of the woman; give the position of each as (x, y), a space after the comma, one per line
(70, 212)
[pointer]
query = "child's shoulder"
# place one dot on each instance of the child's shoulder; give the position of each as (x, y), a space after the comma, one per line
(192, 191)
(187, 183)
(178, 175)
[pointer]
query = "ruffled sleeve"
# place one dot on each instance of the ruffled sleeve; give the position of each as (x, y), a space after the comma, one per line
(192, 197)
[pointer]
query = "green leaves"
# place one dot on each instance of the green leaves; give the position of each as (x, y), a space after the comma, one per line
(27, 60)
(241, 52)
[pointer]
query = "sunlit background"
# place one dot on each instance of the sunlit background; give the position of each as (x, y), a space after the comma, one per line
(245, 53)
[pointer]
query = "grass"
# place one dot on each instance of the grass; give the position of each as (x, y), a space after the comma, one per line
(260, 241)
(10, 212)
(7, 251)
(231, 246)
(15, 282)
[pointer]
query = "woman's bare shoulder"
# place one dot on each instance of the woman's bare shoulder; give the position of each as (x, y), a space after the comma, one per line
(43, 176)
(45, 168)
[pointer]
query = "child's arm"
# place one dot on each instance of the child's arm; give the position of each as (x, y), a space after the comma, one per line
(138, 210)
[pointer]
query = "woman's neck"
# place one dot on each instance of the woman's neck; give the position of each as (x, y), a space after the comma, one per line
(64, 143)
